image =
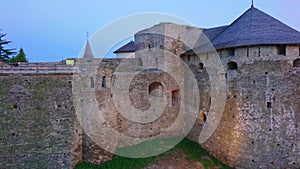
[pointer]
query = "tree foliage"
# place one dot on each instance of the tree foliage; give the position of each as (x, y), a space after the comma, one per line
(5, 53)
(20, 57)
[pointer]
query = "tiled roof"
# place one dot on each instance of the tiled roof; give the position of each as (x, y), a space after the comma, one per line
(254, 27)
(129, 47)
(212, 33)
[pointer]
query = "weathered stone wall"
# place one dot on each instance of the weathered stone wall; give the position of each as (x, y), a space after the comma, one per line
(39, 126)
(92, 152)
(260, 124)
(102, 81)
(139, 98)
(38, 122)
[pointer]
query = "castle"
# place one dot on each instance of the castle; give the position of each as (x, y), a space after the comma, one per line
(240, 83)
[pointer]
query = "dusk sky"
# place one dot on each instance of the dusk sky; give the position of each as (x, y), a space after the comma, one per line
(56, 29)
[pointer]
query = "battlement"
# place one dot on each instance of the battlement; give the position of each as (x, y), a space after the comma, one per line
(37, 68)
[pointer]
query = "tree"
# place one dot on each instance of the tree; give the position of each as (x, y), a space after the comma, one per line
(4, 52)
(20, 57)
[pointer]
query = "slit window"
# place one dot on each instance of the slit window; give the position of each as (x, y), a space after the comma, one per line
(247, 52)
(175, 98)
(269, 105)
(92, 82)
(103, 81)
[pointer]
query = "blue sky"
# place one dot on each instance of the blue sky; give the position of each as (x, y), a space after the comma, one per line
(49, 30)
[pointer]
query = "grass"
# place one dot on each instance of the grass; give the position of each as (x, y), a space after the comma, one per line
(194, 152)
(119, 162)
(149, 148)
(192, 149)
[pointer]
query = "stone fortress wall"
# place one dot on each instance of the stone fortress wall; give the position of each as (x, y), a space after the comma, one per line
(37, 121)
(260, 122)
(259, 127)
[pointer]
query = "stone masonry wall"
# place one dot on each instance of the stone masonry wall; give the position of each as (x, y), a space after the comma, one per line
(38, 122)
(260, 124)
(139, 98)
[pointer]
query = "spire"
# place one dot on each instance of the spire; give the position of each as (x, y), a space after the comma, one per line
(252, 4)
(88, 51)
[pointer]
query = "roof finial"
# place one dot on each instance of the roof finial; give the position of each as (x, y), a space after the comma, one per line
(87, 35)
(252, 4)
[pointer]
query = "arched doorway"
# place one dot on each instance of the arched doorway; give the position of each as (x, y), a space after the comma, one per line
(156, 89)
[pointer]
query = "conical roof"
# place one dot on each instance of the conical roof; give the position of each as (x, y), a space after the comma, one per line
(255, 27)
(88, 51)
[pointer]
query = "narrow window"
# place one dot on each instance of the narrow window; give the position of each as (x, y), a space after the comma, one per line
(103, 81)
(189, 57)
(247, 52)
(269, 105)
(113, 79)
(175, 98)
(231, 52)
(232, 65)
(281, 49)
(259, 51)
(202, 118)
(296, 63)
(92, 82)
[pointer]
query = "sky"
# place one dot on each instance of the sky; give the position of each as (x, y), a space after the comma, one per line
(52, 30)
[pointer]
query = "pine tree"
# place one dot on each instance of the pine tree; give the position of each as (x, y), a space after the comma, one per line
(21, 57)
(4, 52)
